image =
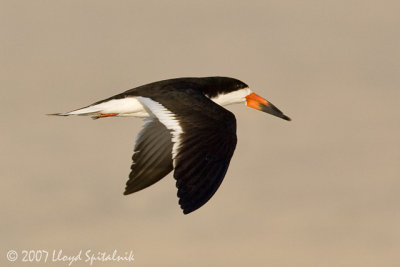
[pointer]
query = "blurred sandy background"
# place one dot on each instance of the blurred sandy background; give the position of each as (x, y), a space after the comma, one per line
(322, 190)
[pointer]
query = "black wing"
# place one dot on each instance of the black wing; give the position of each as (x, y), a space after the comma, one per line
(202, 162)
(204, 137)
(152, 158)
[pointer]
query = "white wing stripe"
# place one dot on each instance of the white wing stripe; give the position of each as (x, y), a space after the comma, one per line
(167, 118)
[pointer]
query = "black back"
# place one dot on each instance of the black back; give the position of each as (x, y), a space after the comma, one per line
(208, 86)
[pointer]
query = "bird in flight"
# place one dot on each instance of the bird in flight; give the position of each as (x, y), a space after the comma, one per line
(186, 130)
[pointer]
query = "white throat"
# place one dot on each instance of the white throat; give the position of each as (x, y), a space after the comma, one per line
(234, 97)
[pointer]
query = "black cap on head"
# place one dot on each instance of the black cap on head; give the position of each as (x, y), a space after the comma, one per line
(222, 85)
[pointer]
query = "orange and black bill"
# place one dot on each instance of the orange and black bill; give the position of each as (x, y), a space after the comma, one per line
(255, 101)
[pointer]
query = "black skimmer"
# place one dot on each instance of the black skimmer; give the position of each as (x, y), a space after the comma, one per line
(186, 130)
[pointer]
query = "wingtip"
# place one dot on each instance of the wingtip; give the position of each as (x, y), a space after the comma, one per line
(186, 211)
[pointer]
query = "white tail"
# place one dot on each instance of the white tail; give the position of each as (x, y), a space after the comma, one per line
(129, 106)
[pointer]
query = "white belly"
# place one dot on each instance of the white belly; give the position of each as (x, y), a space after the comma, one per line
(124, 107)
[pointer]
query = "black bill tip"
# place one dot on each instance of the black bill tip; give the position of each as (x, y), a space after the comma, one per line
(285, 117)
(271, 109)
